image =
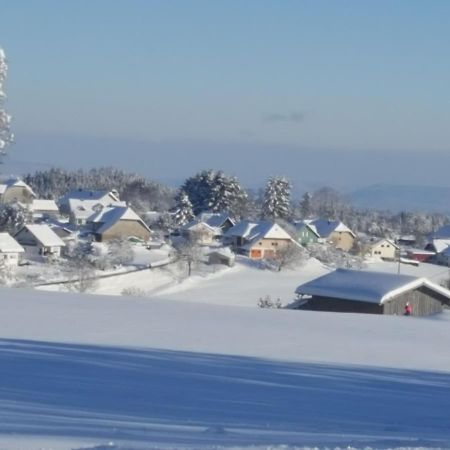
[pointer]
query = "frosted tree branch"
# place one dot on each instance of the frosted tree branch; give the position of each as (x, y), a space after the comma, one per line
(6, 136)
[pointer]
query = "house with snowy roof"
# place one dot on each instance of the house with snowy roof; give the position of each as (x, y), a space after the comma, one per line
(80, 210)
(201, 232)
(258, 240)
(217, 220)
(306, 233)
(75, 203)
(334, 232)
(15, 190)
(360, 291)
(441, 233)
(437, 245)
(10, 250)
(40, 239)
(42, 208)
(117, 222)
(384, 249)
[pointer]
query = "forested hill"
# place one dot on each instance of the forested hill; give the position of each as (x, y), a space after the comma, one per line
(144, 194)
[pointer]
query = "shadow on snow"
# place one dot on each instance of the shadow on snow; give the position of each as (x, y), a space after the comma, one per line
(180, 397)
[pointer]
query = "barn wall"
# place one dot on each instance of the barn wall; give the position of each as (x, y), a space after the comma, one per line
(341, 305)
(423, 301)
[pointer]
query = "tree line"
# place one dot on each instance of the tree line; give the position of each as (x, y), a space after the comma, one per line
(215, 191)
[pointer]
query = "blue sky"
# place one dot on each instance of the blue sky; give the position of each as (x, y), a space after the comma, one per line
(231, 84)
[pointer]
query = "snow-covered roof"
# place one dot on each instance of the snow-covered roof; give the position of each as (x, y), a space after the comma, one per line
(307, 224)
(254, 231)
(9, 245)
(382, 241)
(85, 194)
(111, 215)
(440, 244)
(442, 233)
(215, 220)
(15, 182)
(407, 238)
(420, 251)
(45, 235)
(196, 224)
(365, 286)
(222, 251)
(325, 227)
(44, 205)
(84, 209)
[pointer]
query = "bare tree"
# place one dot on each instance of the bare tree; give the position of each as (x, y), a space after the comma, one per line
(83, 276)
(82, 271)
(190, 251)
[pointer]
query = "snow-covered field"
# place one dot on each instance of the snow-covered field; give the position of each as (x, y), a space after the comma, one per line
(192, 368)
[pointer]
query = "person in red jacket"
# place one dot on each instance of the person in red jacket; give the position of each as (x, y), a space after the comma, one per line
(408, 309)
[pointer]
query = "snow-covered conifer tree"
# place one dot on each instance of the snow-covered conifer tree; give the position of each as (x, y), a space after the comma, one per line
(227, 195)
(277, 196)
(6, 137)
(305, 206)
(214, 191)
(183, 210)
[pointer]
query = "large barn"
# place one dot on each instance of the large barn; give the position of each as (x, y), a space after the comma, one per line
(367, 292)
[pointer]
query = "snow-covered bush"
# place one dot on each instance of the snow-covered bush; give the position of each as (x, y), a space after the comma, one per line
(12, 217)
(133, 292)
(267, 302)
(335, 258)
(291, 256)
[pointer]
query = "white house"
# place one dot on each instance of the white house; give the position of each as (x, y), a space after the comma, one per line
(203, 233)
(258, 240)
(40, 239)
(10, 250)
(384, 248)
(15, 190)
(334, 232)
(43, 208)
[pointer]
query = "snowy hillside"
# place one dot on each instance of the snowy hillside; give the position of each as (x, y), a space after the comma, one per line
(81, 371)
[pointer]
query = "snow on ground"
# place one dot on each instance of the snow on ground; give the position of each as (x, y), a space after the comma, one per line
(80, 371)
(188, 367)
(244, 284)
(433, 272)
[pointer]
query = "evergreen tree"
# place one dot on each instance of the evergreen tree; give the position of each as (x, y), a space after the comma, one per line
(305, 206)
(277, 196)
(214, 191)
(183, 210)
(6, 137)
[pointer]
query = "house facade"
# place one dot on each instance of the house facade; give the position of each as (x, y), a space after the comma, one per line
(40, 239)
(118, 222)
(15, 190)
(201, 232)
(258, 240)
(10, 250)
(334, 232)
(384, 249)
(306, 234)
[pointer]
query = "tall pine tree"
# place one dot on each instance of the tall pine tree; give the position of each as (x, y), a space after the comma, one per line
(277, 199)
(183, 209)
(216, 192)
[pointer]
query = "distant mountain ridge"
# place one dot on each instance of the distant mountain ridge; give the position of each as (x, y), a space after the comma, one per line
(402, 198)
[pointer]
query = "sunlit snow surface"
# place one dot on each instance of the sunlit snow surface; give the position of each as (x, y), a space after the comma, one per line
(97, 372)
